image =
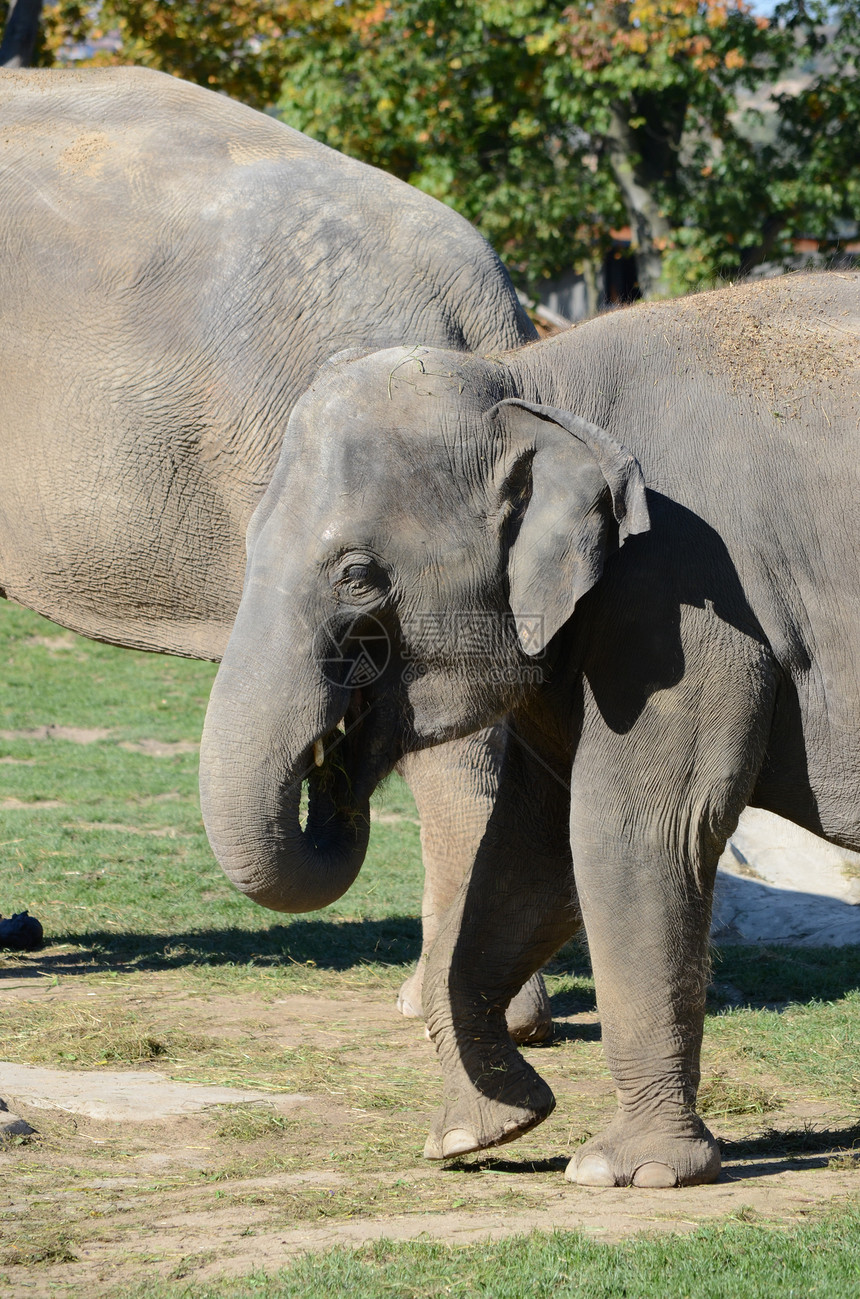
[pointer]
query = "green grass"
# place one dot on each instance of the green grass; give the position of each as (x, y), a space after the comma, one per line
(760, 976)
(739, 1258)
(45, 1248)
(249, 1121)
(80, 1038)
(815, 1043)
(723, 1097)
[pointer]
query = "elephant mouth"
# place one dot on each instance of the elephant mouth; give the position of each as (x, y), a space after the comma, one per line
(331, 746)
(338, 768)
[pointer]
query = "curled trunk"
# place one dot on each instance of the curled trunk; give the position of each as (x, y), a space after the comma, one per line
(254, 760)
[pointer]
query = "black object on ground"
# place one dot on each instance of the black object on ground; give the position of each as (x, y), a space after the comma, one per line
(23, 933)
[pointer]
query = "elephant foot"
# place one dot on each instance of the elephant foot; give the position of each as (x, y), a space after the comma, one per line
(529, 1017)
(477, 1122)
(630, 1153)
(409, 996)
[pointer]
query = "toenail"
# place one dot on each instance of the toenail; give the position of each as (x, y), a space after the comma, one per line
(593, 1170)
(458, 1142)
(432, 1149)
(655, 1175)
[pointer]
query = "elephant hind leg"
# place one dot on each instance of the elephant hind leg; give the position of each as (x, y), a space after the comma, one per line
(529, 1015)
(455, 787)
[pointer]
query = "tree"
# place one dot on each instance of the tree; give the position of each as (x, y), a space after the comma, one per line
(656, 87)
(20, 33)
(549, 123)
(465, 99)
(235, 46)
(816, 153)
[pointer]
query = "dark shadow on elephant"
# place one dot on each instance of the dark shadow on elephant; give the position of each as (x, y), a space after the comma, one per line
(645, 653)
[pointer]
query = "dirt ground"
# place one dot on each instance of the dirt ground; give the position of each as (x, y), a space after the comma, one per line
(93, 1206)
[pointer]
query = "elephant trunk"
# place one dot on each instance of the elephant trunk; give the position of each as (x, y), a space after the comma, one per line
(254, 760)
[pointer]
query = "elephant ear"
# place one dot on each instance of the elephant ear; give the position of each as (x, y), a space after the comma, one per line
(572, 491)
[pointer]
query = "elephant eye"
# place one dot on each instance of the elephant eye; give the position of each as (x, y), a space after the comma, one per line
(359, 579)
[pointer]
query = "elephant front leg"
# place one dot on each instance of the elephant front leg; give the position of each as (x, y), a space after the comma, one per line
(515, 909)
(651, 809)
(648, 933)
(455, 787)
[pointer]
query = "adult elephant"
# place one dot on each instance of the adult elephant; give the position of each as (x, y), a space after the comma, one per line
(693, 623)
(176, 267)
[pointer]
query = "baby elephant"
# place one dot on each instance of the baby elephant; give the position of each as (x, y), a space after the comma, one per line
(638, 539)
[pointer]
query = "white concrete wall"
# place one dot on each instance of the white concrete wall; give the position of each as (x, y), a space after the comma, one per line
(777, 883)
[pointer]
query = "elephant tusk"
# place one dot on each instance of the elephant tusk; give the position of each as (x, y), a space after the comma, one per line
(319, 753)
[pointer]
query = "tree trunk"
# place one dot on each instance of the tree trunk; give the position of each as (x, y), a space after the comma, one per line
(771, 231)
(650, 229)
(19, 34)
(590, 275)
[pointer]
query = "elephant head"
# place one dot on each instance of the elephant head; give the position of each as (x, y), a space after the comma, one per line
(426, 535)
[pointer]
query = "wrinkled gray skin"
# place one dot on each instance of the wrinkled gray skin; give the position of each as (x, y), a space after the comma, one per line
(700, 650)
(175, 269)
